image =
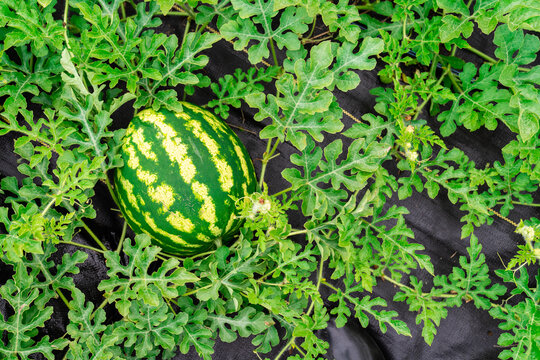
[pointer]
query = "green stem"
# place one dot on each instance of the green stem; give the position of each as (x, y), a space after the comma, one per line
(308, 313)
(519, 203)
(330, 286)
(270, 284)
(68, 206)
(433, 67)
(482, 55)
(404, 30)
(264, 162)
(450, 74)
(93, 236)
(300, 350)
(489, 59)
(188, 10)
(454, 82)
(177, 13)
(110, 188)
(319, 280)
(283, 191)
(186, 32)
(298, 232)
(102, 305)
(165, 256)
(170, 306)
(390, 280)
(83, 246)
(278, 356)
(63, 297)
(122, 237)
(64, 22)
(194, 291)
(272, 48)
(366, 6)
(159, 13)
(424, 103)
(202, 254)
(44, 211)
(123, 8)
(161, 257)
(312, 28)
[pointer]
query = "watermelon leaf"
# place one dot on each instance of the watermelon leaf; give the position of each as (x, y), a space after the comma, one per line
(129, 283)
(146, 326)
(91, 337)
(30, 313)
(519, 321)
(292, 23)
(473, 282)
(362, 159)
(231, 89)
(246, 323)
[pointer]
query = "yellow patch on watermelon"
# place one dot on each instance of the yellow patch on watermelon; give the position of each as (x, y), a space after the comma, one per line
(193, 107)
(208, 208)
(200, 190)
(144, 147)
(244, 188)
(146, 177)
(150, 116)
(157, 119)
(133, 159)
(166, 129)
(177, 152)
(172, 144)
(230, 223)
(212, 119)
(215, 230)
(179, 222)
(208, 212)
(225, 174)
(141, 200)
(156, 229)
(129, 131)
(163, 194)
(132, 218)
(183, 116)
(203, 238)
(128, 187)
(224, 169)
(243, 163)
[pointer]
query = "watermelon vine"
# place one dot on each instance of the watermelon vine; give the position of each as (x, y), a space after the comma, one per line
(331, 228)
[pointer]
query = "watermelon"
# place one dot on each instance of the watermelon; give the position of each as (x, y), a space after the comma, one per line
(181, 175)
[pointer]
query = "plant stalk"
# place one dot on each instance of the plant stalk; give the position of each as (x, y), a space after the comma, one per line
(83, 246)
(63, 297)
(64, 22)
(288, 345)
(122, 237)
(454, 82)
(47, 208)
(482, 55)
(283, 191)
(424, 103)
(194, 291)
(298, 232)
(102, 305)
(312, 28)
(93, 236)
(273, 49)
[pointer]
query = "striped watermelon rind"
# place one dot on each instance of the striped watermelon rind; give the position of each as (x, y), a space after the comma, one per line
(181, 174)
